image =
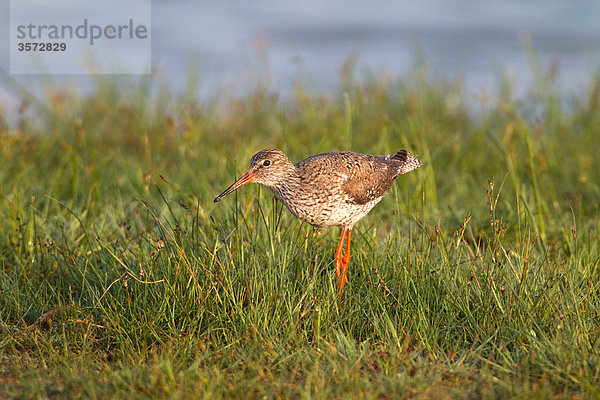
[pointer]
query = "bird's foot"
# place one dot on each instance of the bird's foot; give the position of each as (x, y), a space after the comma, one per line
(343, 271)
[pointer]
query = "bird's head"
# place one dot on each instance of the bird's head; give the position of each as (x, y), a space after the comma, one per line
(268, 167)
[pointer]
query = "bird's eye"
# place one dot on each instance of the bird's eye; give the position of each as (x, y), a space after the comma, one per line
(266, 163)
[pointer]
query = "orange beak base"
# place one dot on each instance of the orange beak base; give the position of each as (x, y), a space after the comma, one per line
(247, 178)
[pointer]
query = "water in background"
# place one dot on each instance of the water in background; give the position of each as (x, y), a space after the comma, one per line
(231, 44)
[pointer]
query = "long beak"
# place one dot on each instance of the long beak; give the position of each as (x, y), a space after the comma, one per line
(247, 178)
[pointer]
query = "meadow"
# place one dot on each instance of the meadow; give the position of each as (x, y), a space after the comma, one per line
(477, 276)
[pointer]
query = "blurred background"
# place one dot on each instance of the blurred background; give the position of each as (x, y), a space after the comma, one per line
(232, 45)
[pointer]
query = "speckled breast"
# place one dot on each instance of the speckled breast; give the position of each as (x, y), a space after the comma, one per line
(330, 213)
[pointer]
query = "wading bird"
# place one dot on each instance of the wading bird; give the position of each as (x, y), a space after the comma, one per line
(328, 189)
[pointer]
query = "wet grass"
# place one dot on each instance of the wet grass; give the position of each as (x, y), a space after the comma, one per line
(476, 277)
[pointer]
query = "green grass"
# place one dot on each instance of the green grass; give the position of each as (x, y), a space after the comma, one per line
(476, 277)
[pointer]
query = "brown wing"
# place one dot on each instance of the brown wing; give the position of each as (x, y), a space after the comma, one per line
(369, 183)
(362, 177)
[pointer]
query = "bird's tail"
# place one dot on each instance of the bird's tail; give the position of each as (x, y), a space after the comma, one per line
(406, 161)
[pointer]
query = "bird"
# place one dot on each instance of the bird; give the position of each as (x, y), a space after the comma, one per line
(328, 189)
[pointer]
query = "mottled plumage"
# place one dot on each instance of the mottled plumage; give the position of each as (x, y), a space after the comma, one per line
(328, 189)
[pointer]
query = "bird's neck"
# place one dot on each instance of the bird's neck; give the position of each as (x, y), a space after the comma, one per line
(287, 187)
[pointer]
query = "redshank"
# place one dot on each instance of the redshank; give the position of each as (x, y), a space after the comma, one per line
(329, 189)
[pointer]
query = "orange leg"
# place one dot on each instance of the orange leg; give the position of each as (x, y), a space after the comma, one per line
(338, 254)
(345, 262)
